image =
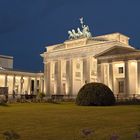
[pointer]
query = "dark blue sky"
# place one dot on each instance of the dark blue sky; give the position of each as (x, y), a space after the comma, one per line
(27, 26)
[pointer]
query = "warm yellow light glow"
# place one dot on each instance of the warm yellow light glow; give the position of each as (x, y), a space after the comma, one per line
(2, 80)
(133, 63)
(10, 84)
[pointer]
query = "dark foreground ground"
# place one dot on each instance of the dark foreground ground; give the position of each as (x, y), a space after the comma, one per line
(65, 121)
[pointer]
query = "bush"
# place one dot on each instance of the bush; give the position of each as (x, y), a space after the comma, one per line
(11, 135)
(41, 95)
(128, 102)
(2, 101)
(95, 94)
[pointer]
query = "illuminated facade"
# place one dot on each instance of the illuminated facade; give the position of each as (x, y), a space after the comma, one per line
(108, 59)
(19, 81)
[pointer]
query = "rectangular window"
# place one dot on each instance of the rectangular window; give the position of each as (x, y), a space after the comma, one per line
(120, 69)
(121, 86)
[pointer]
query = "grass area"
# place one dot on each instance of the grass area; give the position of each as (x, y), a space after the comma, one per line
(65, 121)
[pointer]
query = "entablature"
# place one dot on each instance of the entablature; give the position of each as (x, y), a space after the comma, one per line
(82, 52)
(119, 57)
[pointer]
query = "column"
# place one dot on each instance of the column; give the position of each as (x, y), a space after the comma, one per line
(14, 80)
(99, 73)
(2, 80)
(47, 78)
(29, 85)
(102, 72)
(133, 77)
(35, 86)
(77, 73)
(111, 76)
(21, 85)
(86, 70)
(59, 77)
(71, 76)
(41, 84)
(106, 74)
(51, 80)
(115, 84)
(126, 78)
(139, 77)
(5, 81)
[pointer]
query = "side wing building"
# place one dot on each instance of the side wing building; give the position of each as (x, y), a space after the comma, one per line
(20, 82)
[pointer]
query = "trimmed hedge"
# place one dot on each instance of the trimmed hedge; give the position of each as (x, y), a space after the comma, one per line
(128, 102)
(96, 94)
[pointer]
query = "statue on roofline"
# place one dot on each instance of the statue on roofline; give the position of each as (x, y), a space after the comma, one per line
(82, 22)
(80, 33)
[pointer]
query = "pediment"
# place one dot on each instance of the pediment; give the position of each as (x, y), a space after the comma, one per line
(117, 50)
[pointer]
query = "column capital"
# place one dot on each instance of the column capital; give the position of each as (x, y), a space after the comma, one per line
(117, 62)
(131, 61)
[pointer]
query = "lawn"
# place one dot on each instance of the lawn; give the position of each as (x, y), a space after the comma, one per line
(66, 120)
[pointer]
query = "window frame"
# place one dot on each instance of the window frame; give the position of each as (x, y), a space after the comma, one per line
(120, 70)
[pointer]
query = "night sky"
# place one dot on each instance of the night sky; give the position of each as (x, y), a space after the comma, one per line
(27, 26)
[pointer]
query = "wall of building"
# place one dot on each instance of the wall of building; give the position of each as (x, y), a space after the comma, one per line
(6, 61)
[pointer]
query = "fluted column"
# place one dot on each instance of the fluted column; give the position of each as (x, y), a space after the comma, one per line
(59, 78)
(29, 85)
(35, 86)
(86, 70)
(41, 85)
(111, 76)
(47, 78)
(69, 76)
(21, 85)
(14, 80)
(5, 82)
(133, 77)
(127, 78)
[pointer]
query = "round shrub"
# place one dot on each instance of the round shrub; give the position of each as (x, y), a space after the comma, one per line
(96, 94)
